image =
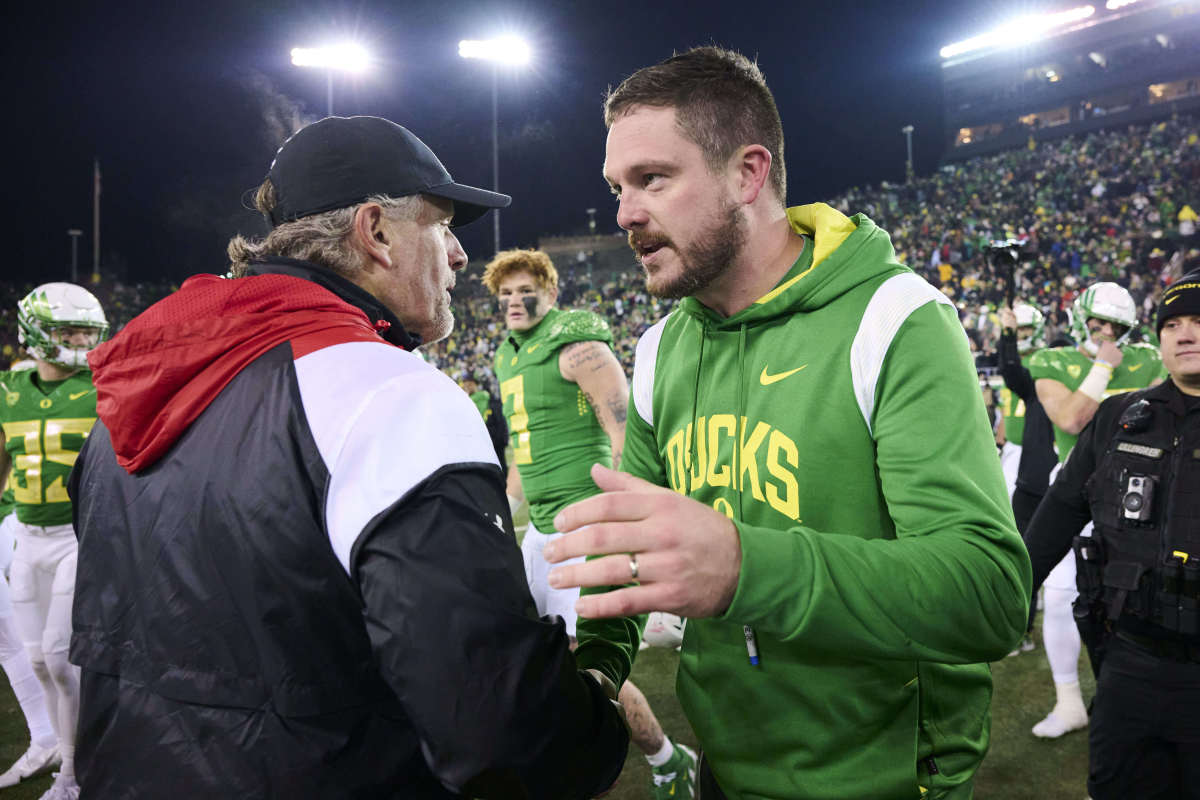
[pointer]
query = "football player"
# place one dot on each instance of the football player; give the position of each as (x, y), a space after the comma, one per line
(46, 415)
(565, 398)
(42, 753)
(1070, 383)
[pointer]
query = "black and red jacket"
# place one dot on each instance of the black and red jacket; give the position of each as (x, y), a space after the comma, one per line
(297, 574)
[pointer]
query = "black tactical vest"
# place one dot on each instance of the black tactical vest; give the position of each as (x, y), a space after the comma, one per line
(1145, 501)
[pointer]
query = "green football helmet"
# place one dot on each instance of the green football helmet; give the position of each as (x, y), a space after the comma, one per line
(1106, 301)
(44, 314)
(1029, 317)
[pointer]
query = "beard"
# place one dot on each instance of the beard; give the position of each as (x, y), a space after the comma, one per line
(702, 262)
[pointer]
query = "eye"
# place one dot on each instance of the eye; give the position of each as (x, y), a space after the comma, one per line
(650, 177)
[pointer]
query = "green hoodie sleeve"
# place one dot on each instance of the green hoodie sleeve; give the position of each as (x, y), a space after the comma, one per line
(954, 584)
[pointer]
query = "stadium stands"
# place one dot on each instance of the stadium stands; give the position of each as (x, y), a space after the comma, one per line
(1112, 205)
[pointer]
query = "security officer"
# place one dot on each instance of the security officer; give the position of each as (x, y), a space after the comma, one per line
(1135, 472)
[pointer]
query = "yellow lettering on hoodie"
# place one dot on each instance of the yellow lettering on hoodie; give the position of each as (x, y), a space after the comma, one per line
(788, 503)
(748, 460)
(716, 424)
(723, 505)
(676, 475)
(700, 462)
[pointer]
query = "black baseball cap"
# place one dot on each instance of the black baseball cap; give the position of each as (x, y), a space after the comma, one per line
(340, 161)
(1181, 297)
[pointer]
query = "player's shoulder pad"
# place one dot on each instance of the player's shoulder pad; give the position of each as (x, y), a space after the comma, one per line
(1141, 349)
(577, 325)
(1048, 357)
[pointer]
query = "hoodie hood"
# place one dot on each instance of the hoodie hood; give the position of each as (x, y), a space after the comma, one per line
(840, 253)
(156, 376)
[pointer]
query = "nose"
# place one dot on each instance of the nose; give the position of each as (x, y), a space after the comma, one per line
(455, 255)
(1189, 330)
(630, 211)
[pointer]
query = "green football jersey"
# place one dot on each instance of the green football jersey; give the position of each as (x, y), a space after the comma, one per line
(1013, 408)
(6, 500)
(43, 433)
(554, 432)
(1140, 365)
(481, 400)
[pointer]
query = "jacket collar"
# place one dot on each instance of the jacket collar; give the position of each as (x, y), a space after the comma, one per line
(385, 322)
(1167, 392)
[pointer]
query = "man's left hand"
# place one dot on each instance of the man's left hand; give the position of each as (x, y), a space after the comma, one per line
(687, 555)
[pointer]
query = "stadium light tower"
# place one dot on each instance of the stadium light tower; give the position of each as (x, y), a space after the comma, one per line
(74, 233)
(505, 50)
(346, 57)
(908, 168)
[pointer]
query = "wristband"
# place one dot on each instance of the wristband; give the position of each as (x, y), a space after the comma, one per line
(513, 504)
(1096, 381)
(1103, 363)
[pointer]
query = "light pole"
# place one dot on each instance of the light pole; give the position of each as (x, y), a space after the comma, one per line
(908, 170)
(505, 50)
(347, 57)
(74, 233)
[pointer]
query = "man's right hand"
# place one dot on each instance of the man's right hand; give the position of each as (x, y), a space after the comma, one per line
(1110, 354)
(1008, 320)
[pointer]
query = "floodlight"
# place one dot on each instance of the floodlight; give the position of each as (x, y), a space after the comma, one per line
(1022, 30)
(505, 50)
(347, 57)
(509, 50)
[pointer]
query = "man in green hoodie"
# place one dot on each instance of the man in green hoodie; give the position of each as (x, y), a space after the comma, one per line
(811, 476)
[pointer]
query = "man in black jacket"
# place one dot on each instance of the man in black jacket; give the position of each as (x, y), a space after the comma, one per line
(297, 572)
(1020, 335)
(1135, 473)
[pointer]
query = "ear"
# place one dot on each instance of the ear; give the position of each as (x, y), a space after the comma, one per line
(552, 294)
(753, 165)
(371, 235)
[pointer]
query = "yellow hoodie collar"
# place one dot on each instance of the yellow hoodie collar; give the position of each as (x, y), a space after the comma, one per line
(826, 226)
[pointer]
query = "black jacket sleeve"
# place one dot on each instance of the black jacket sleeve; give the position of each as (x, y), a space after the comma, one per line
(1015, 376)
(492, 690)
(1064, 511)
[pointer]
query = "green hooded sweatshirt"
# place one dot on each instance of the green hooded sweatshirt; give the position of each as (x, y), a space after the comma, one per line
(838, 421)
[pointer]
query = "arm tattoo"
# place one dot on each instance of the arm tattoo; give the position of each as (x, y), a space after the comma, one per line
(618, 406)
(583, 354)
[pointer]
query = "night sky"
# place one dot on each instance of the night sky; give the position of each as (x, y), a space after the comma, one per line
(184, 105)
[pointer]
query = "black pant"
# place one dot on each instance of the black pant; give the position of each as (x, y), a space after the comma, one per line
(1144, 733)
(706, 783)
(1024, 503)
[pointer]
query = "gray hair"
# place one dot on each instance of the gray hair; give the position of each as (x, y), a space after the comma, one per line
(323, 238)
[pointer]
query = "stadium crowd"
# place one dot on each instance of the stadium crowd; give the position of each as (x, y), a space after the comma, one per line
(1116, 205)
